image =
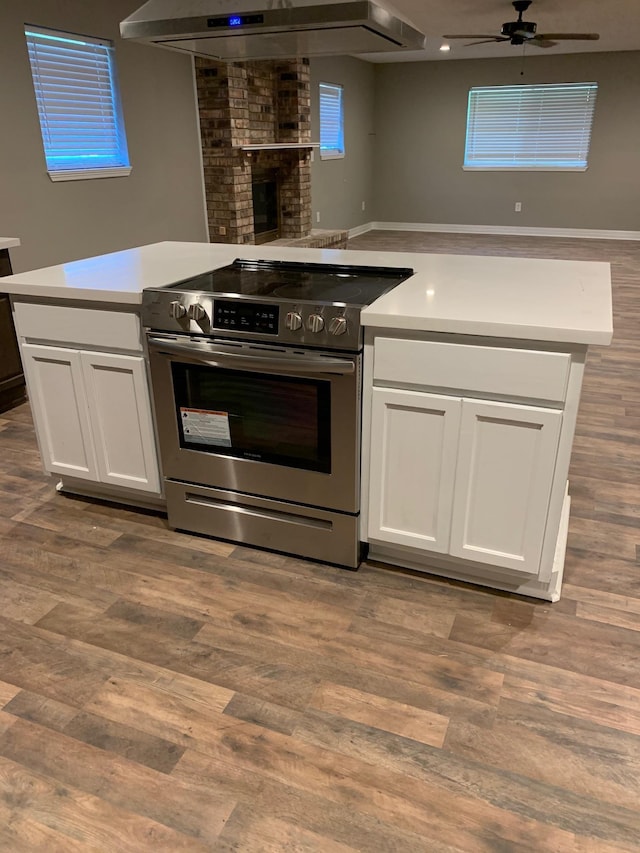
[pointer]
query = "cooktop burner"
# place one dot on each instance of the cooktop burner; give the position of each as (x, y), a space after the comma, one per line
(344, 292)
(299, 282)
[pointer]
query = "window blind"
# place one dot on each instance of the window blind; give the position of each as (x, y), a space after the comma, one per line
(331, 121)
(530, 127)
(78, 103)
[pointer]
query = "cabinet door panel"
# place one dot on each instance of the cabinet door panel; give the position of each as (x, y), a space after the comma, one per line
(505, 468)
(413, 458)
(120, 412)
(54, 378)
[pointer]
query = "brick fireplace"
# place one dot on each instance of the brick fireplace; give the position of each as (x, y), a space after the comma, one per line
(264, 103)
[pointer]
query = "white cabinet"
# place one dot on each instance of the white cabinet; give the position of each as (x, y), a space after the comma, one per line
(121, 424)
(461, 477)
(467, 447)
(93, 415)
(506, 460)
(56, 393)
(414, 439)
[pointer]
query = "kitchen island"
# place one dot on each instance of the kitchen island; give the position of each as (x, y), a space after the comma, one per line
(472, 376)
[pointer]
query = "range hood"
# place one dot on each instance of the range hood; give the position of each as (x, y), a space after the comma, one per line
(270, 29)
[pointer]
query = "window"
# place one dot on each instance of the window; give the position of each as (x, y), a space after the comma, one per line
(530, 127)
(78, 104)
(331, 121)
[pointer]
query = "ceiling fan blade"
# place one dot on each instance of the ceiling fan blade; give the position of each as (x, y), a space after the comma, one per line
(472, 36)
(569, 36)
(487, 41)
(542, 41)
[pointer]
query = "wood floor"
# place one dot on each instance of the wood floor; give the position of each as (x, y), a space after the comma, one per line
(160, 692)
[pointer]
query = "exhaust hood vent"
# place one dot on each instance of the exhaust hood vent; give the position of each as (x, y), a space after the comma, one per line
(270, 29)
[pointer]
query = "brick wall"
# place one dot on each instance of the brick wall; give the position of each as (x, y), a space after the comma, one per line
(254, 103)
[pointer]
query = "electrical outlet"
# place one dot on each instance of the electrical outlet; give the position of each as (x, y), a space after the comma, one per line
(518, 206)
(222, 231)
(363, 205)
(317, 216)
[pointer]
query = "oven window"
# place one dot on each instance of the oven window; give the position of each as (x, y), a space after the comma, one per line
(284, 420)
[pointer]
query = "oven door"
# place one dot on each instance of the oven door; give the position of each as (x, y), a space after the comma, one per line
(261, 420)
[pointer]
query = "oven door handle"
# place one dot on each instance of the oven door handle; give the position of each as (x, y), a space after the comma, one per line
(287, 363)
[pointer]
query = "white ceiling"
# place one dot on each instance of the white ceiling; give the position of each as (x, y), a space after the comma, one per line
(617, 22)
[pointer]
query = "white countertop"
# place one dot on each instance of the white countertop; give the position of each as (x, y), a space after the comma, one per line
(547, 300)
(120, 277)
(526, 298)
(8, 242)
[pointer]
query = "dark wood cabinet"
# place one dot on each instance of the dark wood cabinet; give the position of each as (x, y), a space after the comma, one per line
(12, 388)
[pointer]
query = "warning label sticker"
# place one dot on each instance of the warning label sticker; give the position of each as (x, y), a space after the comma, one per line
(201, 426)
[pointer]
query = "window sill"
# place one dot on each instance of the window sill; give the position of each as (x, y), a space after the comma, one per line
(524, 168)
(328, 156)
(88, 174)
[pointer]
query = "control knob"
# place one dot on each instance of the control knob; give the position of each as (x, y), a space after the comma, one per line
(315, 323)
(338, 326)
(293, 321)
(196, 312)
(177, 310)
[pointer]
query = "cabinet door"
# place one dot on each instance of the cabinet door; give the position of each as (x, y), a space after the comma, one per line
(412, 469)
(56, 392)
(505, 468)
(120, 412)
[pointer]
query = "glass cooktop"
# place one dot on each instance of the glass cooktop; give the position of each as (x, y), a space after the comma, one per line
(298, 282)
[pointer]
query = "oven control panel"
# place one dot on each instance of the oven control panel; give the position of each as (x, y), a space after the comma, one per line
(235, 315)
(329, 326)
(304, 323)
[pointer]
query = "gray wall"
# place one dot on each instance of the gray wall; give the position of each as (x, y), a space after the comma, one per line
(420, 120)
(338, 187)
(162, 199)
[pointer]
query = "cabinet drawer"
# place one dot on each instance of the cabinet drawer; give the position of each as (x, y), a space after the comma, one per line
(487, 370)
(82, 326)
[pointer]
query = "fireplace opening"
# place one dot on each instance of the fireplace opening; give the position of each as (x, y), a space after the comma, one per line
(266, 206)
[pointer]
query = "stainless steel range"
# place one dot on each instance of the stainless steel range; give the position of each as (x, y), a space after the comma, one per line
(256, 375)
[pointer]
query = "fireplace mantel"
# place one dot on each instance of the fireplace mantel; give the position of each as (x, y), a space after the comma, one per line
(277, 146)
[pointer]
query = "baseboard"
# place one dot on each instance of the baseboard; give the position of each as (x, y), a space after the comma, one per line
(361, 229)
(505, 230)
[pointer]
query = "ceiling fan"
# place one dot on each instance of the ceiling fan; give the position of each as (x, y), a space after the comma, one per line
(524, 32)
